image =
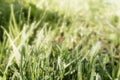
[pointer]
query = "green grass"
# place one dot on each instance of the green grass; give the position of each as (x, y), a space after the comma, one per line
(59, 40)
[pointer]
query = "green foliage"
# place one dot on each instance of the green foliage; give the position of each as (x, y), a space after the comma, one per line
(59, 40)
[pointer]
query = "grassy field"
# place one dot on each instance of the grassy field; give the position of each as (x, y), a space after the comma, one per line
(59, 40)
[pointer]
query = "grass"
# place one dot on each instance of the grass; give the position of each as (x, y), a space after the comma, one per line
(59, 40)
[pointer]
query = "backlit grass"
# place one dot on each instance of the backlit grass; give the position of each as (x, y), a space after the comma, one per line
(59, 40)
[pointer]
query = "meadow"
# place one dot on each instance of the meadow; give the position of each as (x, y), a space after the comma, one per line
(59, 40)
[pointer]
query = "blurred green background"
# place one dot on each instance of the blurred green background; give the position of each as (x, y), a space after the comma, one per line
(59, 40)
